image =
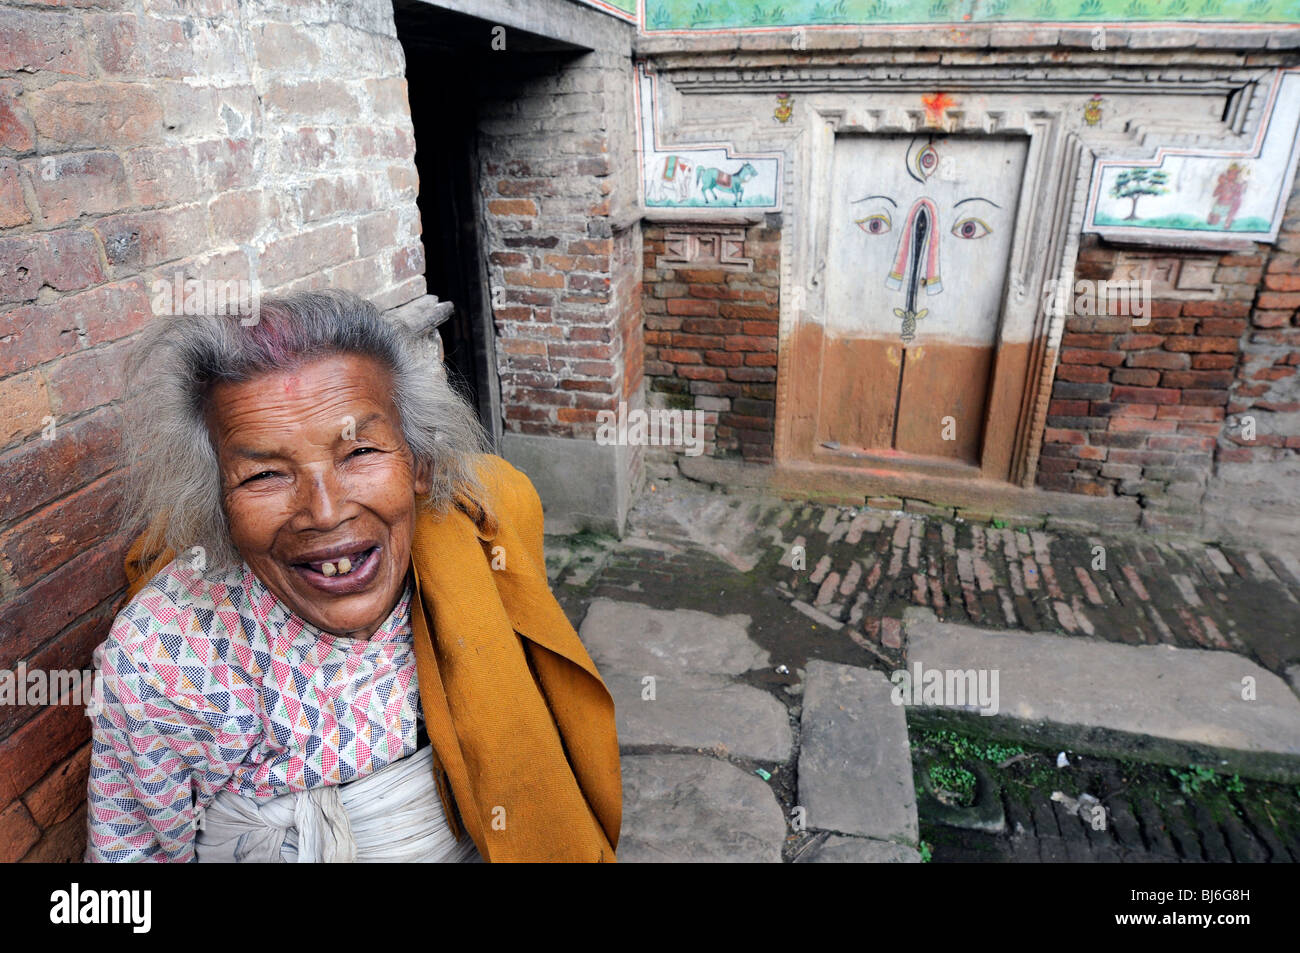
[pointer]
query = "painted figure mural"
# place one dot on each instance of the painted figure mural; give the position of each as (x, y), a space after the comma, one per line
(917, 252)
(1228, 193)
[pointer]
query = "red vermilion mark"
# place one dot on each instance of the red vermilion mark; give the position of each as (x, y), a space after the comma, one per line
(934, 105)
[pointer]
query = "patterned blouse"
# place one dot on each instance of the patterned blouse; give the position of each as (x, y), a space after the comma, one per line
(211, 684)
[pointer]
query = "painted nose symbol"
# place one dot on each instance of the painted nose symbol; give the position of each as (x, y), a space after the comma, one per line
(916, 263)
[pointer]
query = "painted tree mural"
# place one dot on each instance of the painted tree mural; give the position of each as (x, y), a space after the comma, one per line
(1132, 184)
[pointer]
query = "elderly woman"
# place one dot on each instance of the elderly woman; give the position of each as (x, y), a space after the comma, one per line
(340, 643)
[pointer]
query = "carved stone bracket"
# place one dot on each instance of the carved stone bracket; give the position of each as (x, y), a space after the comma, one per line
(703, 246)
(1172, 278)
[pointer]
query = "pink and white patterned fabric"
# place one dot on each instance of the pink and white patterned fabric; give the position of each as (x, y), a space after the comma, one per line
(213, 684)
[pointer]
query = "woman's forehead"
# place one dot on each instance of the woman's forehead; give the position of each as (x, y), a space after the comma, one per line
(338, 392)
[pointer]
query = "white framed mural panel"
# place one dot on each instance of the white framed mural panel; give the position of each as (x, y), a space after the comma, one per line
(1204, 196)
(700, 176)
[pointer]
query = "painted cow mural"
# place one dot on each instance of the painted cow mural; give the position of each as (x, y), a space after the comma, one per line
(714, 180)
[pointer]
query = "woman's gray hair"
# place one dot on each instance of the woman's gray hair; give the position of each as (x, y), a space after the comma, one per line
(176, 361)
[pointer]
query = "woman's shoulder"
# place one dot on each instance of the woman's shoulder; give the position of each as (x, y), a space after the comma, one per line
(510, 494)
(180, 618)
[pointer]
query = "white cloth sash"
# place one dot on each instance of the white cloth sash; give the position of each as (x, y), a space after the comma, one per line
(391, 816)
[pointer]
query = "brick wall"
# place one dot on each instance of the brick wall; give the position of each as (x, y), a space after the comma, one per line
(711, 341)
(1155, 411)
(266, 142)
(1252, 493)
(561, 236)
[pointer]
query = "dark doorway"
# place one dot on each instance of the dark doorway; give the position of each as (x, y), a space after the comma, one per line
(450, 66)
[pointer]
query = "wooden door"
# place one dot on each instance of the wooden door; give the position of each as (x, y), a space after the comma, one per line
(919, 237)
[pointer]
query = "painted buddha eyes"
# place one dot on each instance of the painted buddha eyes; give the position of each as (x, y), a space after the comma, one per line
(971, 227)
(877, 224)
(968, 228)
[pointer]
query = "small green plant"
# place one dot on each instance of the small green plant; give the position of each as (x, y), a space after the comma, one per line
(999, 524)
(1194, 778)
(1234, 785)
(926, 853)
(962, 747)
(956, 782)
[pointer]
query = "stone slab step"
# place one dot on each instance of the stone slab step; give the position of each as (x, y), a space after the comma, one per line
(701, 711)
(682, 808)
(855, 764)
(1146, 702)
(629, 638)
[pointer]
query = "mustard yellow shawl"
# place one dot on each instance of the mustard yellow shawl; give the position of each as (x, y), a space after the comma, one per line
(520, 721)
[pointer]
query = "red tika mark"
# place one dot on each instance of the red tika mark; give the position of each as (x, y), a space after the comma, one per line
(934, 105)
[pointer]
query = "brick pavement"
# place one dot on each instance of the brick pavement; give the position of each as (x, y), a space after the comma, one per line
(862, 567)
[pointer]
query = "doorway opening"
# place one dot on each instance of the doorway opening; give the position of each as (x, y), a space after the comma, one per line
(452, 69)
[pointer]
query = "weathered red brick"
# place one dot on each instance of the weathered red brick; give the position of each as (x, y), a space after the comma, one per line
(96, 115)
(16, 130)
(306, 252)
(512, 207)
(18, 832)
(1197, 344)
(37, 41)
(13, 205)
(64, 843)
(55, 534)
(1139, 342)
(1282, 282)
(1196, 379)
(70, 260)
(75, 184)
(1213, 361)
(1270, 300)
(1083, 373)
(1216, 309)
(691, 306)
(1078, 355)
(40, 744)
(1135, 376)
(26, 401)
(141, 239)
(1223, 326)
(61, 792)
(1144, 395)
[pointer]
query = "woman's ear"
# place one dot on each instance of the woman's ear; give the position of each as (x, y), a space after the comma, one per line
(423, 477)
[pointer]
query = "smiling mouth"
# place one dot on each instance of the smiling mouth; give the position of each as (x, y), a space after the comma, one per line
(343, 572)
(339, 565)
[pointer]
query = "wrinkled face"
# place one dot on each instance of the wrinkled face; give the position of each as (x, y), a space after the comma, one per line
(319, 487)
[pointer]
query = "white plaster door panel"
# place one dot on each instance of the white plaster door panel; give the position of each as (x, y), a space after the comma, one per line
(918, 235)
